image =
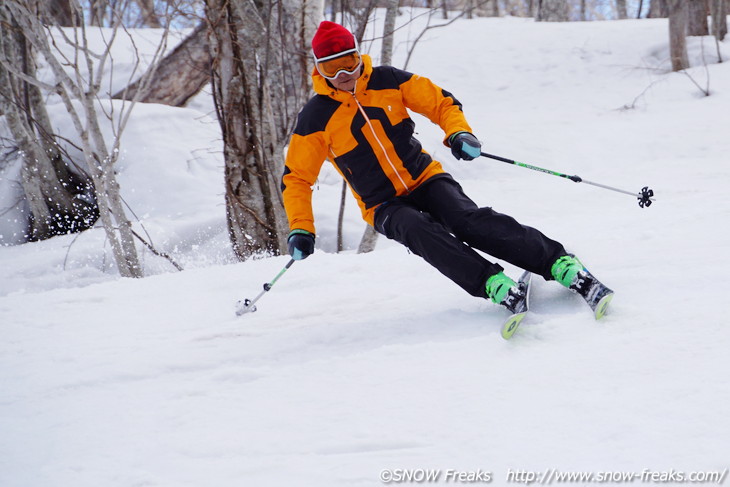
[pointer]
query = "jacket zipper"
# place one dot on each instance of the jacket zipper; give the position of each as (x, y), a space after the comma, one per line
(372, 129)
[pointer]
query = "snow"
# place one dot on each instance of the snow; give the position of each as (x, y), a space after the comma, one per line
(358, 363)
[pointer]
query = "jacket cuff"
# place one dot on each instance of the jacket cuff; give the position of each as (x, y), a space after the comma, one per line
(447, 140)
(299, 231)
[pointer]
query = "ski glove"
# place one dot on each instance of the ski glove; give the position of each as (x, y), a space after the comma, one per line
(301, 244)
(465, 146)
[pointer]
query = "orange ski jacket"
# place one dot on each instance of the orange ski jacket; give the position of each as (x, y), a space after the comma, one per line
(368, 136)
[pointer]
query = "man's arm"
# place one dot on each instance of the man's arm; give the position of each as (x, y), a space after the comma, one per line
(441, 107)
(304, 159)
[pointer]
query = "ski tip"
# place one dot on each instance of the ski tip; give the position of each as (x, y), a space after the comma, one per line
(602, 306)
(510, 326)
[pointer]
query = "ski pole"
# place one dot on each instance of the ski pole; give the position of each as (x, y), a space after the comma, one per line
(247, 305)
(644, 196)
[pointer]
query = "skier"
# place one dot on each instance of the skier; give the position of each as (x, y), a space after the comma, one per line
(358, 120)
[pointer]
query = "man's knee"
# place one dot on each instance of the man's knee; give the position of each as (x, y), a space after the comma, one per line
(397, 221)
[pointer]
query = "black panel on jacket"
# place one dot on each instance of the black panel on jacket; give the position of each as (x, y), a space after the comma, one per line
(387, 78)
(315, 115)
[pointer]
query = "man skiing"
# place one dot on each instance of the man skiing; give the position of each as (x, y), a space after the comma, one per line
(358, 120)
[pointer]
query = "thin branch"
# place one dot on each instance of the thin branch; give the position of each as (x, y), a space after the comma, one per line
(429, 27)
(157, 252)
(705, 91)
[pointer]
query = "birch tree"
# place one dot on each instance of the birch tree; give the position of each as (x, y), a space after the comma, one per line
(677, 34)
(697, 18)
(179, 76)
(59, 199)
(78, 84)
(59, 12)
(370, 237)
(552, 11)
(719, 11)
(260, 72)
(658, 9)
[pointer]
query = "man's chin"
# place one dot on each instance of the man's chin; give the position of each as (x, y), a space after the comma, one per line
(346, 86)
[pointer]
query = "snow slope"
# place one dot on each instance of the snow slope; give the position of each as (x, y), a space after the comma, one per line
(358, 363)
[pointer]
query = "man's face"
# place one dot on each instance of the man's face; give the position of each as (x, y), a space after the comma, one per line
(345, 82)
(341, 69)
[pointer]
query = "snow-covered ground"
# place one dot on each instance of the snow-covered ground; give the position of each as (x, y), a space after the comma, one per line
(359, 363)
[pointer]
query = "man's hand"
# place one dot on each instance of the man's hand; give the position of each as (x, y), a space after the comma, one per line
(301, 244)
(465, 146)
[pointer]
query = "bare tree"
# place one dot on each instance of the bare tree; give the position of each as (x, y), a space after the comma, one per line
(59, 12)
(60, 200)
(356, 16)
(260, 81)
(658, 9)
(97, 10)
(77, 81)
(697, 18)
(719, 11)
(552, 11)
(677, 34)
(621, 12)
(148, 15)
(179, 76)
(386, 46)
(370, 237)
(341, 218)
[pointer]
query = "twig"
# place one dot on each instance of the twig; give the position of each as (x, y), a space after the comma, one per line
(428, 27)
(705, 91)
(157, 252)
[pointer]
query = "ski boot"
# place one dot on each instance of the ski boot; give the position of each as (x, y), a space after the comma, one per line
(571, 273)
(503, 290)
(513, 296)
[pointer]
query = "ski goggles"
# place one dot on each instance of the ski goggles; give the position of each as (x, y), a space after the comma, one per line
(347, 62)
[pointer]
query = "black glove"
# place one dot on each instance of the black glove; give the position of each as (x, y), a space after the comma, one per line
(301, 244)
(465, 146)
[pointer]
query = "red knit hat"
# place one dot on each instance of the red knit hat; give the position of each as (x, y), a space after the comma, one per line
(331, 38)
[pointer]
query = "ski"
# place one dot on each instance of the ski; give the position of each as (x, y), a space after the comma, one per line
(598, 298)
(513, 321)
(594, 293)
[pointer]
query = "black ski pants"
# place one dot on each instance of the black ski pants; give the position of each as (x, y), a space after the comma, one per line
(438, 222)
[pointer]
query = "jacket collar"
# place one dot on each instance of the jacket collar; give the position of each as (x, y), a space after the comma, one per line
(322, 87)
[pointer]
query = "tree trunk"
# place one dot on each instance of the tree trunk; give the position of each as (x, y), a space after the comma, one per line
(621, 9)
(60, 13)
(98, 12)
(179, 76)
(149, 17)
(258, 90)
(658, 9)
(59, 200)
(386, 47)
(341, 218)
(552, 11)
(677, 30)
(719, 19)
(79, 91)
(697, 18)
(370, 236)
